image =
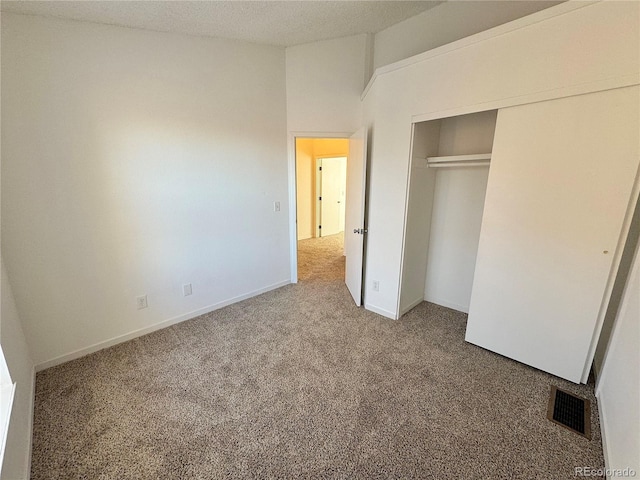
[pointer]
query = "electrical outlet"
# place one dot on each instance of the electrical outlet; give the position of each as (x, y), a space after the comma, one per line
(376, 286)
(141, 302)
(187, 290)
(276, 206)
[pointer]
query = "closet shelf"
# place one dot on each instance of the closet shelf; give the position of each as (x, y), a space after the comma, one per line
(484, 163)
(451, 160)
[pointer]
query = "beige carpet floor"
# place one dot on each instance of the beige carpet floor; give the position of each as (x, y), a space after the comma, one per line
(299, 383)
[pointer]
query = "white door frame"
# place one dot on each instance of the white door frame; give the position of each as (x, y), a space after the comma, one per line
(293, 207)
(317, 207)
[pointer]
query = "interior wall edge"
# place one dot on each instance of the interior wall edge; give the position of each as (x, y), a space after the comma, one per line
(292, 197)
(313, 135)
(381, 311)
(622, 278)
(411, 305)
(15, 461)
(446, 303)
(618, 383)
(32, 404)
(626, 234)
(603, 428)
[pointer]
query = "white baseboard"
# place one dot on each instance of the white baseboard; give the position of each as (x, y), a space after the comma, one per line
(380, 311)
(446, 303)
(415, 303)
(152, 328)
(603, 429)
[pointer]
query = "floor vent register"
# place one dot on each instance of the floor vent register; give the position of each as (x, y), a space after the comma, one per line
(569, 411)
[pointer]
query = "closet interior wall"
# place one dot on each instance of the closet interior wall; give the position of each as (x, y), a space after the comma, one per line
(444, 211)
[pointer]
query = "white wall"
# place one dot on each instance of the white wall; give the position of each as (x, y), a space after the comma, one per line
(324, 82)
(135, 162)
(618, 389)
(553, 53)
(467, 134)
(458, 202)
(444, 24)
(17, 455)
(16, 461)
(305, 188)
(331, 147)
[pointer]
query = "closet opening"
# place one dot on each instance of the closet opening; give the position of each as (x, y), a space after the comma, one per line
(449, 171)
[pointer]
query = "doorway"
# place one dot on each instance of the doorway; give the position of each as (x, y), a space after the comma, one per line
(331, 181)
(303, 149)
(321, 171)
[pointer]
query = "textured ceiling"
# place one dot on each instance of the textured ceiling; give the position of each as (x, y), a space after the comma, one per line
(282, 23)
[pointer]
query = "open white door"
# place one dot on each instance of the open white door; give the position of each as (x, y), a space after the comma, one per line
(354, 217)
(331, 196)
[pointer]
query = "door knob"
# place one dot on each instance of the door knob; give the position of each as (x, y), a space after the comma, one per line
(361, 231)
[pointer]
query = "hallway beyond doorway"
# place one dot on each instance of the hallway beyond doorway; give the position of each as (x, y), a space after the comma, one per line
(321, 259)
(309, 156)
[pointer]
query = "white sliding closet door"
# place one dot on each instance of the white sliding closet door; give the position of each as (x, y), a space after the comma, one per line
(560, 186)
